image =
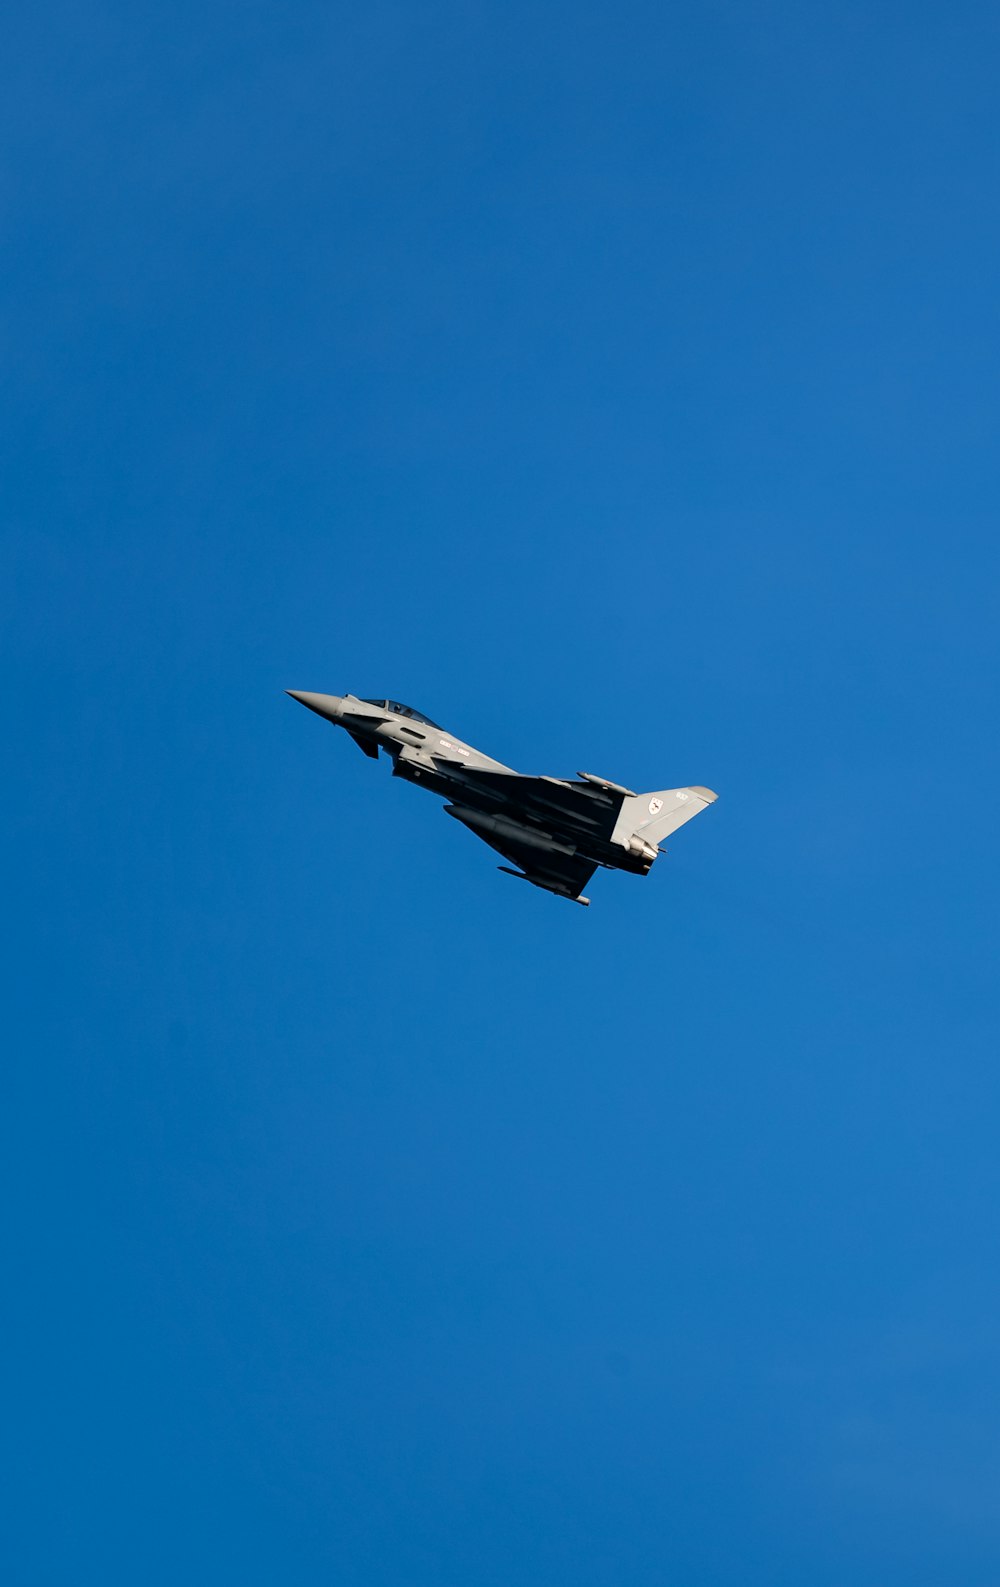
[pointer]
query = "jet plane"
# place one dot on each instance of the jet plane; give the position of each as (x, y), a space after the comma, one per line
(555, 831)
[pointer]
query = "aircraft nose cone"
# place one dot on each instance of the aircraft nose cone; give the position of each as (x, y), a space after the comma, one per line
(327, 705)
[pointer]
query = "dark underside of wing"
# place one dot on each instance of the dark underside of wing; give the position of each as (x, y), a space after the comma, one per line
(560, 873)
(563, 824)
(557, 805)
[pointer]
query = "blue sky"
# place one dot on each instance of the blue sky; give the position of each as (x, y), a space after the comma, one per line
(619, 386)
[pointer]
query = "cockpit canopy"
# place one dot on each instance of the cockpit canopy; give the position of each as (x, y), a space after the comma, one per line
(402, 710)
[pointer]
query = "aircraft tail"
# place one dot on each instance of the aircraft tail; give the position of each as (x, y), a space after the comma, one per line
(653, 816)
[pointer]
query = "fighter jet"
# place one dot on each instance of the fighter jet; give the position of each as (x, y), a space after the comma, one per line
(555, 831)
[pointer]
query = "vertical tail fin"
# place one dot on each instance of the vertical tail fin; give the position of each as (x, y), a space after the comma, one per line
(653, 816)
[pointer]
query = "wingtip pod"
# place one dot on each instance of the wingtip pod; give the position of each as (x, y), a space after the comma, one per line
(560, 892)
(703, 793)
(606, 786)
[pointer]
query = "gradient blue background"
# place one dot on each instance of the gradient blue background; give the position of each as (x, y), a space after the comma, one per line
(620, 386)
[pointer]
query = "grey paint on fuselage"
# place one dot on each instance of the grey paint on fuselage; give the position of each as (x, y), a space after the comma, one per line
(556, 831)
